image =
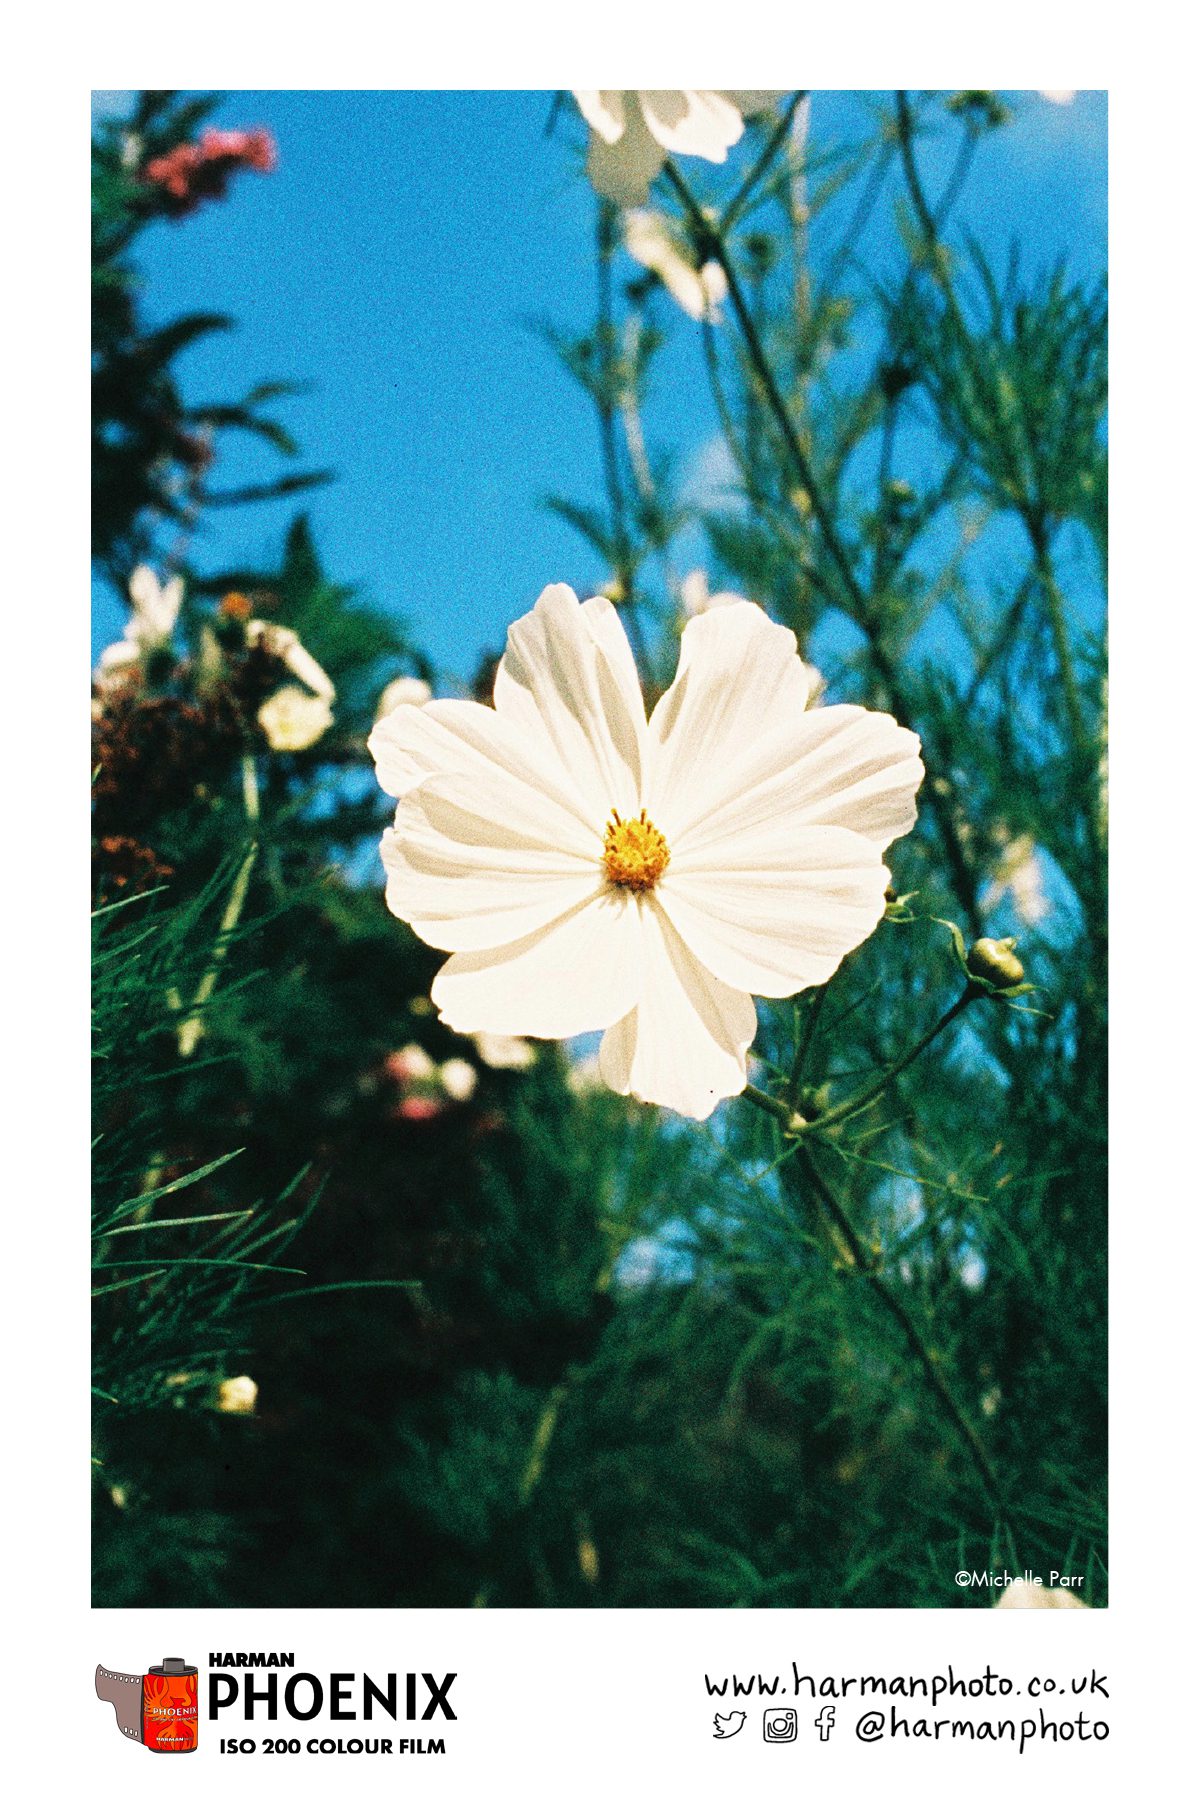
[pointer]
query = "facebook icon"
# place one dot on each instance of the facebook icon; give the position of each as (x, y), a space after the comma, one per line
(824, 1722)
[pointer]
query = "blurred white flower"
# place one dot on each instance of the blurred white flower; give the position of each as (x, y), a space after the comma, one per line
(149, 626)
(1023, 1593)
(119, 667)
(1019, 874)
(459, 1078)
(652, 240)
(406, 690)
(283, 643)
(155, 607)
(633, 131)
(410, 1065)
(497, 1051)
(696, 597)
(294, 719)
(239, 1394)
(592, 870)
(1058, 96)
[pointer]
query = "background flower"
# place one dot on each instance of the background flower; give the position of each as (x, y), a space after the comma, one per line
(633, 131)
(651, 241)
(294, 719)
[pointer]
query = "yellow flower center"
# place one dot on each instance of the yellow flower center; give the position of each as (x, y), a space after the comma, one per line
(635, 852)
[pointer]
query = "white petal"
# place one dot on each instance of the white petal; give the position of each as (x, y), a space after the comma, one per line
(623, 171)
(604, 110)
(691, 121)
(578, 975)
(739, 676)
(144, 590)
(837, 765)
(567, 683)
(650, 242)
(305, 667)
(119, 655)
(468, 870)
(781, 906)
(482, 752)
(684, 1044)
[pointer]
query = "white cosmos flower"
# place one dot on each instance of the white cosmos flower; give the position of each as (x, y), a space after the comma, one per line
(634, 130)
(592, 870)
(155, 607)
(650, 240)
(150, 625)
(406, 690)
(293, 719)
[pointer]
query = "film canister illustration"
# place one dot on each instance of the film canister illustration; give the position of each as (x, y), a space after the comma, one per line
(157, 1709)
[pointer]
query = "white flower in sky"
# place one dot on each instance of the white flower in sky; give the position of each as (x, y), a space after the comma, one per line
(634, 130)
(283, 643)
(150, 625)
(592, 870)
(651, 240)
(697, 598)
(294, 719)
(498, 1051)
(406, 690)
(1058, 96)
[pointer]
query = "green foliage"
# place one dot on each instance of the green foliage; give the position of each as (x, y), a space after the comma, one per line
(151, 452)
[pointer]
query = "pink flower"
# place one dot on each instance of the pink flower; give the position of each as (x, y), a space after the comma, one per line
(252, 149)
(191, 173)
(419, 1107)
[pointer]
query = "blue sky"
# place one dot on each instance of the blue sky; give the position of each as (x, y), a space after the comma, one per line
(396, 263)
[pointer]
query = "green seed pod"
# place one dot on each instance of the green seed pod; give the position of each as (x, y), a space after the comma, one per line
(992, 959)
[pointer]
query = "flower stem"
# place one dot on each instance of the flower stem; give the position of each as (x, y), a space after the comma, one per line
(868, 1266)
(867, 1096)
(192, 1029)
(794, 1122)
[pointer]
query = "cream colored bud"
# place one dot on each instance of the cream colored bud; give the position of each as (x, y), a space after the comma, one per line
(992, 959)
(238, 1394)
(406, 690)
(459, 1078)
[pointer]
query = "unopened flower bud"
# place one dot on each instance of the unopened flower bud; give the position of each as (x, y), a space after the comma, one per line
(406, 690)
(993, 959)
(239, 1394)
(459, 1078)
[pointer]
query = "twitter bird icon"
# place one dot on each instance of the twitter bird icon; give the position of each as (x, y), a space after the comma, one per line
(728, 1724)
